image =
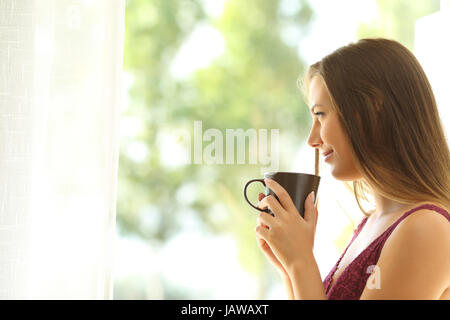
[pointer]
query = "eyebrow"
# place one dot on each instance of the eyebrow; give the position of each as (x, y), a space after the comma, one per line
(315, 105)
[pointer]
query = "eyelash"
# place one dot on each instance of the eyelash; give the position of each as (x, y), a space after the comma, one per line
(318, 113)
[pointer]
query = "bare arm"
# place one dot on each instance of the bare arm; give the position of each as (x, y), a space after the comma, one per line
(307, 282)
(415, 260)
(288, 286)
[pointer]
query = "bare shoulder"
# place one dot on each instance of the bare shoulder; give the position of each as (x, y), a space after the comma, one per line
(422, 236)
(414, 261)
(422, 229)
(427, 223)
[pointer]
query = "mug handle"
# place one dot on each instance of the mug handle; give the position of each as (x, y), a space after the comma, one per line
(245, 193)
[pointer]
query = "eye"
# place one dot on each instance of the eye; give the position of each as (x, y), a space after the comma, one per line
(318, 113)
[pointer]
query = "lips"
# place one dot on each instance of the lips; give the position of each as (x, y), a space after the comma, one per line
(327, 153)
(327, 156)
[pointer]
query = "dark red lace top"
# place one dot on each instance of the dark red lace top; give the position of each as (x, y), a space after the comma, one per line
(352, 280)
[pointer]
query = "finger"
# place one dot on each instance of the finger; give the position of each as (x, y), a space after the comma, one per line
(260, 241)
(271, 203)
(282, 194)
(261, 204)
(265, 219)
(310, 210)
(260, 197)
(262, 233)
(258, 238)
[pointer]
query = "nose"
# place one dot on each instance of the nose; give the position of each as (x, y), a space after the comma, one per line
(314, 139)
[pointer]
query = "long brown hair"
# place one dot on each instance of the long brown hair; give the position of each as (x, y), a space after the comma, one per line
(386, 107)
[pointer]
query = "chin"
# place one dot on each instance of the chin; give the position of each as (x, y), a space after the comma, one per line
(342, 178)
(345, 175)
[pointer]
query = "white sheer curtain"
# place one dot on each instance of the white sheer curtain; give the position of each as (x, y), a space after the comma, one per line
(60, 70)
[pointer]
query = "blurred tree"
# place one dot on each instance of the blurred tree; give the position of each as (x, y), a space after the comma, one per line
(252, 84)
(396, 20)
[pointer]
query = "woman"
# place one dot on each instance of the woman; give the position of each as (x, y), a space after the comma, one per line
(375, 117)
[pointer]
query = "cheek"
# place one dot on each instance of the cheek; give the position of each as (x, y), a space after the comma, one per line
(331, 133)
(337, 140)
(343, 144)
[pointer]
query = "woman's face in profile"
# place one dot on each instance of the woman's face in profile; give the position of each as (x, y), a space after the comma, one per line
(327, 134)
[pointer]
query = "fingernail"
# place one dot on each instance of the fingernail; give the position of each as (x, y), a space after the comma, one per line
(312, 196)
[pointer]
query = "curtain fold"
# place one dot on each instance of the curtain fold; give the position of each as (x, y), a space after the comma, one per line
(60, 72)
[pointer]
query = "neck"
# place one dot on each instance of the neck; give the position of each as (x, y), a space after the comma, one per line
(385, 206)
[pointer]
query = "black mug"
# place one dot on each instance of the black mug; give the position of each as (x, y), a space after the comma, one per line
(297, 185)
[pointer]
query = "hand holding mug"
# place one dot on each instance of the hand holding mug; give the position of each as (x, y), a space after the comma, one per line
(289, 236)
(287, 222)
(297, 185)
(265, 248)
